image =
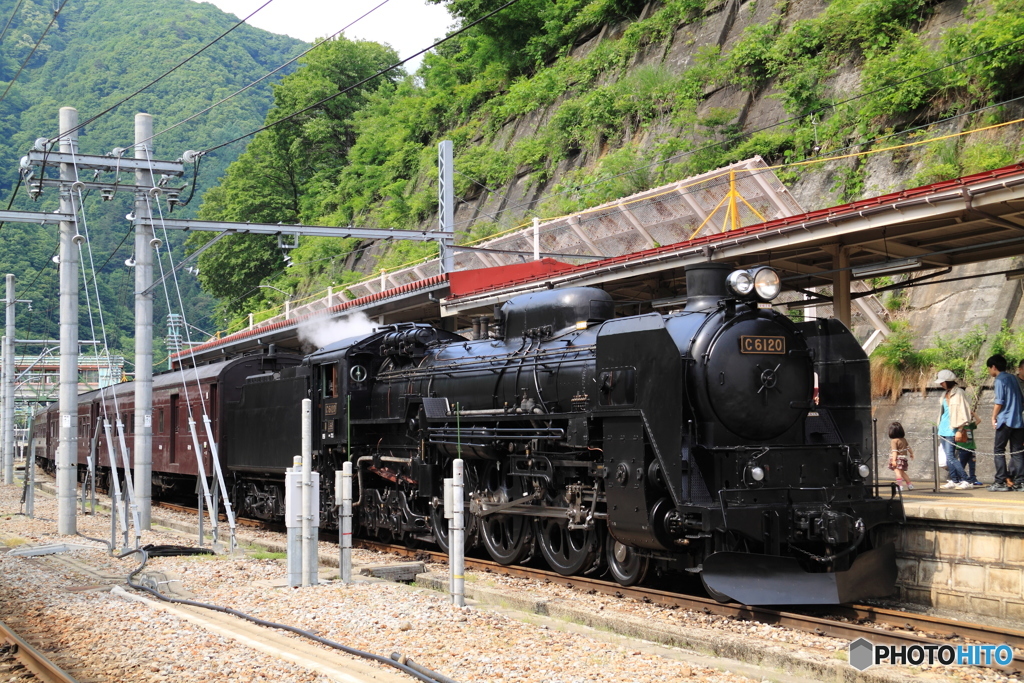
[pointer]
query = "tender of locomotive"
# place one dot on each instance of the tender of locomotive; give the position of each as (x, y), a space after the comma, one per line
(724, 439)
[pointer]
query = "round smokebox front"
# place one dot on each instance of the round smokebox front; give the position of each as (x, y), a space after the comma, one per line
(757, 387)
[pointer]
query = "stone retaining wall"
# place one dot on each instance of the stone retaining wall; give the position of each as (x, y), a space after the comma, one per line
(964, 559)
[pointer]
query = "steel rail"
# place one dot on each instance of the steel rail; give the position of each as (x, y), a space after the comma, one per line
(241, 521)
(33, 659)
(870, 621)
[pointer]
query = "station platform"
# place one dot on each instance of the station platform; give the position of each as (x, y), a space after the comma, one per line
(974, 506)
(962, 550)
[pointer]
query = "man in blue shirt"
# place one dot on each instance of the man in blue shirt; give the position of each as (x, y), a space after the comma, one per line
(1009, 425)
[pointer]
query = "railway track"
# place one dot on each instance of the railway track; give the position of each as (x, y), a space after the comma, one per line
(878, 625)
(22, 662)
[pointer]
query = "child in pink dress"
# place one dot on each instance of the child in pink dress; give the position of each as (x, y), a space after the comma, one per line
(900, 454)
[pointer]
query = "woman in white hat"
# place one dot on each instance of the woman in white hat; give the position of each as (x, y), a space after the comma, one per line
(954, 416)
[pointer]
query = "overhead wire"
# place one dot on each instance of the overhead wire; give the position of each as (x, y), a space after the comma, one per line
(10, 202)
(53, 19)
(587, 215)
(597, 213)
(352, 87)
(269, 73)
(723, 177)
(11, 19)
(159, 78)
(730, 138)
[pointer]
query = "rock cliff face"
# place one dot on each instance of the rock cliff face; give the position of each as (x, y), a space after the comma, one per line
(718, 30)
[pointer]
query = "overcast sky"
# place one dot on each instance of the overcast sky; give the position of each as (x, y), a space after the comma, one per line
(406, 25)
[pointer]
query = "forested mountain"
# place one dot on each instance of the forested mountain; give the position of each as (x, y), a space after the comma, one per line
(96, 53)
(556, 105)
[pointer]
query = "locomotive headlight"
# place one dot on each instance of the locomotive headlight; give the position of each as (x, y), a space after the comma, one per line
(741, 282)
(756, 473)
(767, 283)
(863, 470)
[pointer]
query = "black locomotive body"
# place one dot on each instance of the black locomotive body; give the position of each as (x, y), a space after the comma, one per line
(724, 439)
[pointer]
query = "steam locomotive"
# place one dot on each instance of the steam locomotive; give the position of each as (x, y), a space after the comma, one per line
(724, 439)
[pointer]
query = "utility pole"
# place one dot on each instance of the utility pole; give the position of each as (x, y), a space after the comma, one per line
(8, 375)
(446, 205)
(3, 415)
(67, 452)
(144, 242)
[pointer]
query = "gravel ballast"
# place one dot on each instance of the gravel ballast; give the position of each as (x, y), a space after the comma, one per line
(131, 641)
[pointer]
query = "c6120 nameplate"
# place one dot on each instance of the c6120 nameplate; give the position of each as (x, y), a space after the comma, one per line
(762, 344)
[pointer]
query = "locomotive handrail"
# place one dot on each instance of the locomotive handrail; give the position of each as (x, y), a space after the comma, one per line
(512, 433)
(894, 492)
(449, 365)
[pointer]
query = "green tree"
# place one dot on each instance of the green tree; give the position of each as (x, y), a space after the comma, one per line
(288, 169)
(96, 53)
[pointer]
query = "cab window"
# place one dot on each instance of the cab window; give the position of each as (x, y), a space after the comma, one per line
(330, 375)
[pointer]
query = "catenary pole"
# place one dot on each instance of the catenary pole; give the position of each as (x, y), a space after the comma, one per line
(69, 239)
(143, 326)
(8, 374)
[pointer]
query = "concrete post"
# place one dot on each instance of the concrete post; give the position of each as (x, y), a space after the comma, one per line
(143, 327)
(67, 450)
(345, 561)
(456, 538)
(8, 376)
(308, 548)
(536, 239)
(295, 565)
(449, 514)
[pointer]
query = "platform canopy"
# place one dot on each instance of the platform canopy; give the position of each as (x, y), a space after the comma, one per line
(967, 220)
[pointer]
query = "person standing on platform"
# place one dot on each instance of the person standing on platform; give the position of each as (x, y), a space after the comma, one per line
(954, 416)
(968, 452)
(900, 455)
(1009, 426)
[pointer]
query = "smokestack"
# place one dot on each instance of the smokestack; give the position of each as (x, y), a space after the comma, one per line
(705, 285)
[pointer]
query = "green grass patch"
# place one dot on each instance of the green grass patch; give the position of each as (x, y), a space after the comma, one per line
(265, 555)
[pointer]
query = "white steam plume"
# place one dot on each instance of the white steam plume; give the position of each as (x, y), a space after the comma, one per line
(322, 332)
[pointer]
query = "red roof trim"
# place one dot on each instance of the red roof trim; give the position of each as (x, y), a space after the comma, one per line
(337, 308)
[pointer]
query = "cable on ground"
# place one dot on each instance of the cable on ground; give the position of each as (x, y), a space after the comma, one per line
(270, 624)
